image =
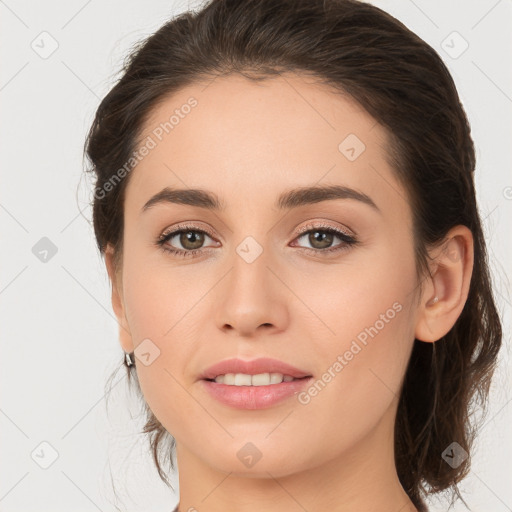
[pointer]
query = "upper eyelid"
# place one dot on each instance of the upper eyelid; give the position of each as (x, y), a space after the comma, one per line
(320, 224)
(324, 226)
(184, 227)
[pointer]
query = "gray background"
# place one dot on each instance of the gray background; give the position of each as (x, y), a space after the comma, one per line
(59, 334)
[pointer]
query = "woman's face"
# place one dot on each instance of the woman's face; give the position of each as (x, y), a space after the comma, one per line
(258, 287)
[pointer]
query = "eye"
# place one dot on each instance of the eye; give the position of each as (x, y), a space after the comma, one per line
(190, 238)
(321, 237)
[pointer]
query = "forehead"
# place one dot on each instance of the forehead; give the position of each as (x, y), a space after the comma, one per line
(243, 138)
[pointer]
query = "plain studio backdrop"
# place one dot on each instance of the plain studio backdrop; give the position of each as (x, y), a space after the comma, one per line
(60, 450)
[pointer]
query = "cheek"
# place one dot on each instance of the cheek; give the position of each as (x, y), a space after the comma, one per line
(160, 298)
(370, 319)
(159, 305)
(360, 377)
(360, 298)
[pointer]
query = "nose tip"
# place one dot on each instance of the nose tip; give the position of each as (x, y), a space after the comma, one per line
(251, 300)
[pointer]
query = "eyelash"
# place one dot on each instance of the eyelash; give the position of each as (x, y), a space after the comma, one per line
(347, 240)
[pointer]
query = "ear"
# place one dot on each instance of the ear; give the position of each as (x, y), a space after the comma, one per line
(451, 277)
(114, 273)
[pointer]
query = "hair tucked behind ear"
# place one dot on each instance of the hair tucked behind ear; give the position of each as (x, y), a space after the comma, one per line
(402, 82)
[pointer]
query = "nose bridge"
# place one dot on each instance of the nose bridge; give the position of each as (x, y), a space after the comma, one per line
(251, 248)
(250, 296)
(250, 274)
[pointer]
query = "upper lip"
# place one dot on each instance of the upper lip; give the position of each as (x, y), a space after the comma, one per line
(253, 367)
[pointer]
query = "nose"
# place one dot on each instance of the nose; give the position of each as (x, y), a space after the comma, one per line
(252, 299)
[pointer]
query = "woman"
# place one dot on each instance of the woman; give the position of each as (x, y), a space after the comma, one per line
(285, 201)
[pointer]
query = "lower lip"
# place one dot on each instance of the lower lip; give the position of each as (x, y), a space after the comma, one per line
(254, 397)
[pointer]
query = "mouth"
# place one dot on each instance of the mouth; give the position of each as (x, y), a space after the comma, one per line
(259, 391)
(255, 384)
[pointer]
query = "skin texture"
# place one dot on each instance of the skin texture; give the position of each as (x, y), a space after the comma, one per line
(247, 143)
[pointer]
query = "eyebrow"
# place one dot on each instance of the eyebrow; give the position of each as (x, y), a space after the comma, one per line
(287, 200)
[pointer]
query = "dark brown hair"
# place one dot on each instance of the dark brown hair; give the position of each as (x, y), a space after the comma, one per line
(362, 51)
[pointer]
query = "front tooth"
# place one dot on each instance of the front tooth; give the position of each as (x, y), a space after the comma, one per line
(261, 379)
(242, 379)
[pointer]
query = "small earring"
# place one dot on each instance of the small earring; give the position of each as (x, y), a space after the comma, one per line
(434, 300)
(128, 359)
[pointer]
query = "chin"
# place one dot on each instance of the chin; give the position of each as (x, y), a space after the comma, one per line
(258, 459)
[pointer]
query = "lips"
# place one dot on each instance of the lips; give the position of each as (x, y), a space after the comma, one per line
(254, 367)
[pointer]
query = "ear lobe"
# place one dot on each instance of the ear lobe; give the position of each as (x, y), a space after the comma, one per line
(450, 284)
(117, 300)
